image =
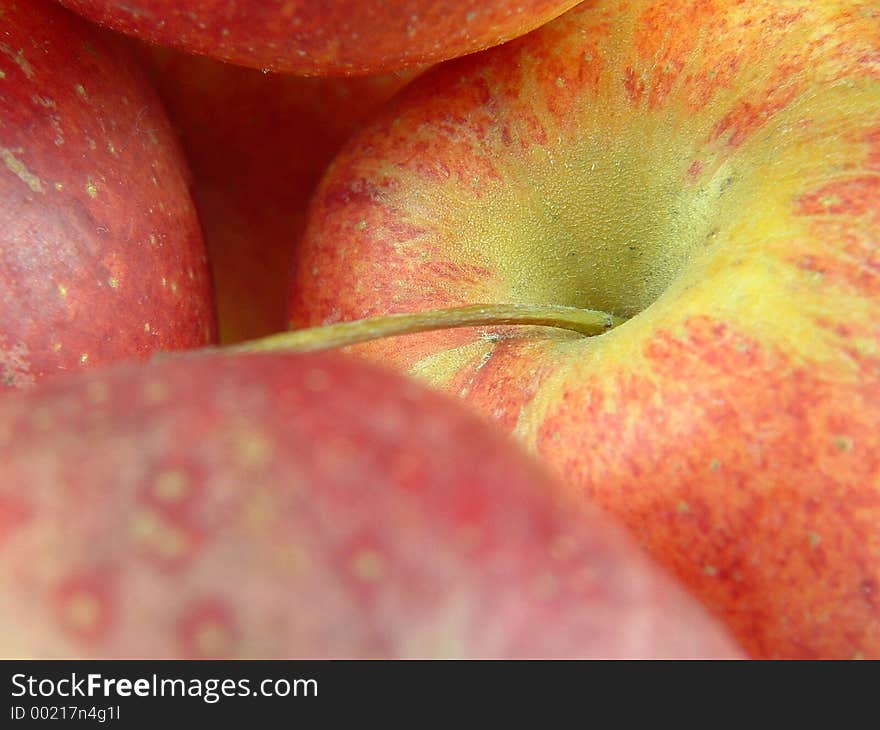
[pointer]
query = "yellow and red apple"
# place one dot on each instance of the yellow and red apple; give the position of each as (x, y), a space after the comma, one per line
(709, 171)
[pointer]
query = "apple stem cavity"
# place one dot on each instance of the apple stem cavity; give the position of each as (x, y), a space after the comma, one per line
(313, 339)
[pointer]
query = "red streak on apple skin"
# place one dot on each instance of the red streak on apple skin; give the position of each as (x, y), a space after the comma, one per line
(635, 85)
(848, 212)
(101, 254)
(747, 117)
(564, 68)
(752, 527)
(697, 167)
(503, 383)
(855, 197)
(873, 157)
(467, 274)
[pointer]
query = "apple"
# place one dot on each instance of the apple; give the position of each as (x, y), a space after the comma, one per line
(708, 172)
(304, 506)
(101, 253)
(324, 37)
(257, 145)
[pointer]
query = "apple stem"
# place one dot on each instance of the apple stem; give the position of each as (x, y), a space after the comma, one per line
(342, 334)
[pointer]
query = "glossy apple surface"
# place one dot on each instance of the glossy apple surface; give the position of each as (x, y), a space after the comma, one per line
(710, 170)
(101, 253)
(324, 37)
(303, 506)
(257, 145)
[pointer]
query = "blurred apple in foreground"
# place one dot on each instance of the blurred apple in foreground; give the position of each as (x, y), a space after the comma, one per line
(257, 145)
(710, 172)
(101, 254)
(303, 506)
(324, 37)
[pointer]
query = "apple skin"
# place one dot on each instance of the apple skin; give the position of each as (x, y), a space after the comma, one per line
(709, 169)
(257, 145)
(101, 252)
(304, 506)
(324, 37)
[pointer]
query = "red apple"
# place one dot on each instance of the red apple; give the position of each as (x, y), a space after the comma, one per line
(711, 172)
(257, 145)
(303, 506)
(101, 254)
(324, 37)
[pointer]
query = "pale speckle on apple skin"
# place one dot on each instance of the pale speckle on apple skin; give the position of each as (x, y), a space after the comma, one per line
(19, 59)
(41, 418)
(545, 586)
(157, 536)
(213, 639)
(171, 485)
(156, 392)
(253, 450)
(367, 565)
(15, 371)
(563, 547)
(98, 392)
(208, 627)
(259, 512)
(20, 170)
(316, 380)
(82, 612)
